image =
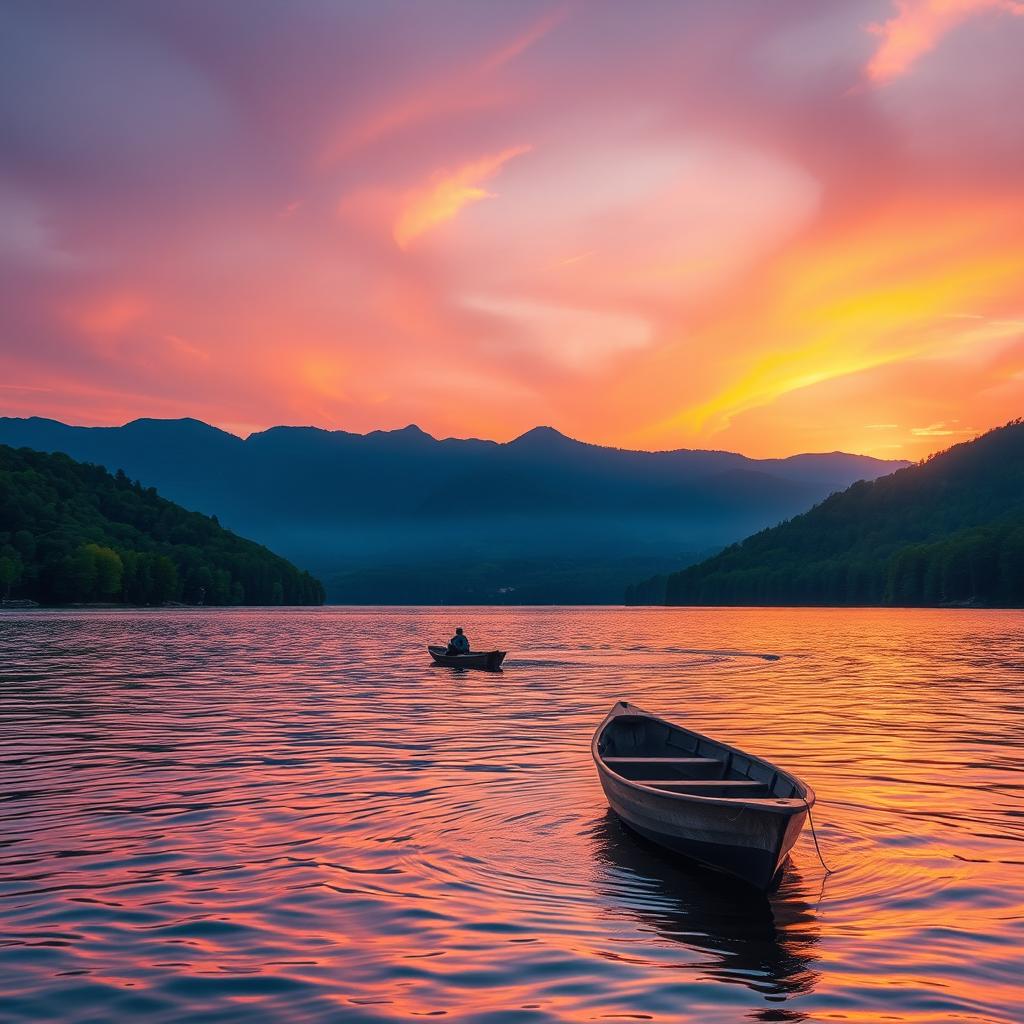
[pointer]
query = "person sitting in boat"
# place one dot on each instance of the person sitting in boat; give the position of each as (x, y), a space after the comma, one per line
(459, 644)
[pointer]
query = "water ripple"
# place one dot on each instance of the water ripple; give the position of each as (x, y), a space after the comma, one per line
(289, 815)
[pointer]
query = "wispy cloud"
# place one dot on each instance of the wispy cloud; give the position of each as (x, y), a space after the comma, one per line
(522, 42)
(446, 193)
(919, 25)
(940, 430)
(466, 88)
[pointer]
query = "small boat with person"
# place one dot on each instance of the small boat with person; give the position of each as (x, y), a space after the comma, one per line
(457, 654)
(713, 803)
(489, 660)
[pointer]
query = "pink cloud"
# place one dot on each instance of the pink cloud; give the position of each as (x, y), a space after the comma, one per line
(919, 25)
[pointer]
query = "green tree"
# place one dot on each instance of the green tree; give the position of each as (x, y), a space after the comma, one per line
(10, 573)
(107, 571)
(165, 580)
(80, 575)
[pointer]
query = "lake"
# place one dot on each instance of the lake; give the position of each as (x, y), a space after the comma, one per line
(291, 815)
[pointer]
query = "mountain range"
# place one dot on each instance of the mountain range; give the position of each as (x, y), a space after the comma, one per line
(399, 516)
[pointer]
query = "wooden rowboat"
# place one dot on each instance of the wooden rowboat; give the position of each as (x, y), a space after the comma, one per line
(715, 804)
(490, 660)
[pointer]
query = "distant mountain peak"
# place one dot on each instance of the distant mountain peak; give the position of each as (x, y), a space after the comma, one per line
(32, 419)
(545, 436)
(407, 433)
(186, 422)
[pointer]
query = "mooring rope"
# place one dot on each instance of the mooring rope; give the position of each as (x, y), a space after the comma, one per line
(814, 834)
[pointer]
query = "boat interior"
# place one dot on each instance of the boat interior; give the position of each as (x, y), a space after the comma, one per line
(675, 760)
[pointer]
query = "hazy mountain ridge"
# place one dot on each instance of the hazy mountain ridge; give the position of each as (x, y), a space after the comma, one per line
(947, 531)
(391, 502)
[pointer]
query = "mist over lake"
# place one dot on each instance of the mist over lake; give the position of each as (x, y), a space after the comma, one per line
(399, 517)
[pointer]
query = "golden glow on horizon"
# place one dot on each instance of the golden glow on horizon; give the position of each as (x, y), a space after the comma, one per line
(881, 293)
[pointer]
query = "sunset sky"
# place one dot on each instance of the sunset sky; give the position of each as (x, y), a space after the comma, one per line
(769, 227)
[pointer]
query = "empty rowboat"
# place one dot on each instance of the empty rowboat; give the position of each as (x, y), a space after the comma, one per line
(490, 660)
(715, 804)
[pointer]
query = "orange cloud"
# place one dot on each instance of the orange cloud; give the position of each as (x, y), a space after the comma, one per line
(884, 291)
(918, 26)
(446, 194)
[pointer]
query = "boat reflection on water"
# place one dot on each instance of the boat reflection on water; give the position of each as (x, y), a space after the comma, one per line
(732, 932)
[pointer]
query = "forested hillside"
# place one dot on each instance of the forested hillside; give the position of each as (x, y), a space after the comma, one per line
(948, 531)
(71, 532)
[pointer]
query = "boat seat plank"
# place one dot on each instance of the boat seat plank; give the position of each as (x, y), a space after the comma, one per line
(702, 783)
(661, 760)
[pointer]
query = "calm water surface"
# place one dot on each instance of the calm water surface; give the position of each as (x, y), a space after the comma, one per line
(290, 815)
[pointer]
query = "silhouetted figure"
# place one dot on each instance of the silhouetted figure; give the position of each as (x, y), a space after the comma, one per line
(459, 644)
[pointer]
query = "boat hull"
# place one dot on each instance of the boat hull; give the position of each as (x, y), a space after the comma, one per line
(751, 846)
(489, 661)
